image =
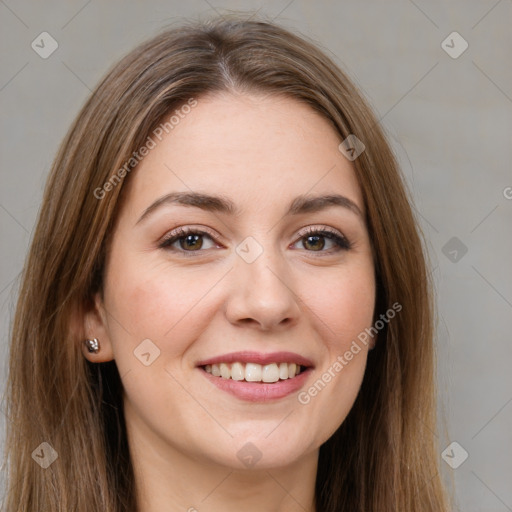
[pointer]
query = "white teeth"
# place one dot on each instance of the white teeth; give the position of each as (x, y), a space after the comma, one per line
(237, 371)
(270, 373)
(252, 372)
(225, 372)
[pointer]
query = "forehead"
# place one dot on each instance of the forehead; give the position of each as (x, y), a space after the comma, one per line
(259, 150)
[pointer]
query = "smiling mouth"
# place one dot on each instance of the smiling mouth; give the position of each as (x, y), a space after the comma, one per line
(253, 372)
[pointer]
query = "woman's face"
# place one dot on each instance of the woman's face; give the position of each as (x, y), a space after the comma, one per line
(250, 285)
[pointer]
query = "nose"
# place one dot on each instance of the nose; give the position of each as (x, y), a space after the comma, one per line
(262, 294)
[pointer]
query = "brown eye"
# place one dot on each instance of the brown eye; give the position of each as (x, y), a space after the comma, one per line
(315, 240)
(189, 240)
(193, 242)
(314, 243)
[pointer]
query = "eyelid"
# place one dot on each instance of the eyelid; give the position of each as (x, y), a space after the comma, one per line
(342, 242)
(314, 228)
(186, 230)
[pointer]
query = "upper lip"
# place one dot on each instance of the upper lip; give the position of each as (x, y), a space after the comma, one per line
(258, 358)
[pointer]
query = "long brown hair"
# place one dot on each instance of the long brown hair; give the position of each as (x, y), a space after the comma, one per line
(383, 457)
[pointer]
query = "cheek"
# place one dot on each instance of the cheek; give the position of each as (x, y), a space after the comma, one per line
(343, 303)
(159, 302)
(343, 308)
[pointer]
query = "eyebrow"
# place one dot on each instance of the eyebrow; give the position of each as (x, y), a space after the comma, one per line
(301, 204)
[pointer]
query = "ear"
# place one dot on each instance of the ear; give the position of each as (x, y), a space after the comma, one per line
(93, 323)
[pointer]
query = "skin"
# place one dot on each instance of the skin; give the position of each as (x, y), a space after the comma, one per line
(184, 433)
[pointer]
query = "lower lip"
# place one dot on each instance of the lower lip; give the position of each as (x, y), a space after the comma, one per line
(259, 391)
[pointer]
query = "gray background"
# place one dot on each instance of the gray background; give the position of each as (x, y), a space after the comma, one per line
(449, 120)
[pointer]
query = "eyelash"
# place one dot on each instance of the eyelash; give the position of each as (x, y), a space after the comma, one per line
(341, 242)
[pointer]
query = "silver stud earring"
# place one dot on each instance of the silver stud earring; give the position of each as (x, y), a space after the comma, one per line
(92, 345)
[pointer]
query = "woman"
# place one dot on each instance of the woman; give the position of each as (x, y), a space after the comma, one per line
(226, 303)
